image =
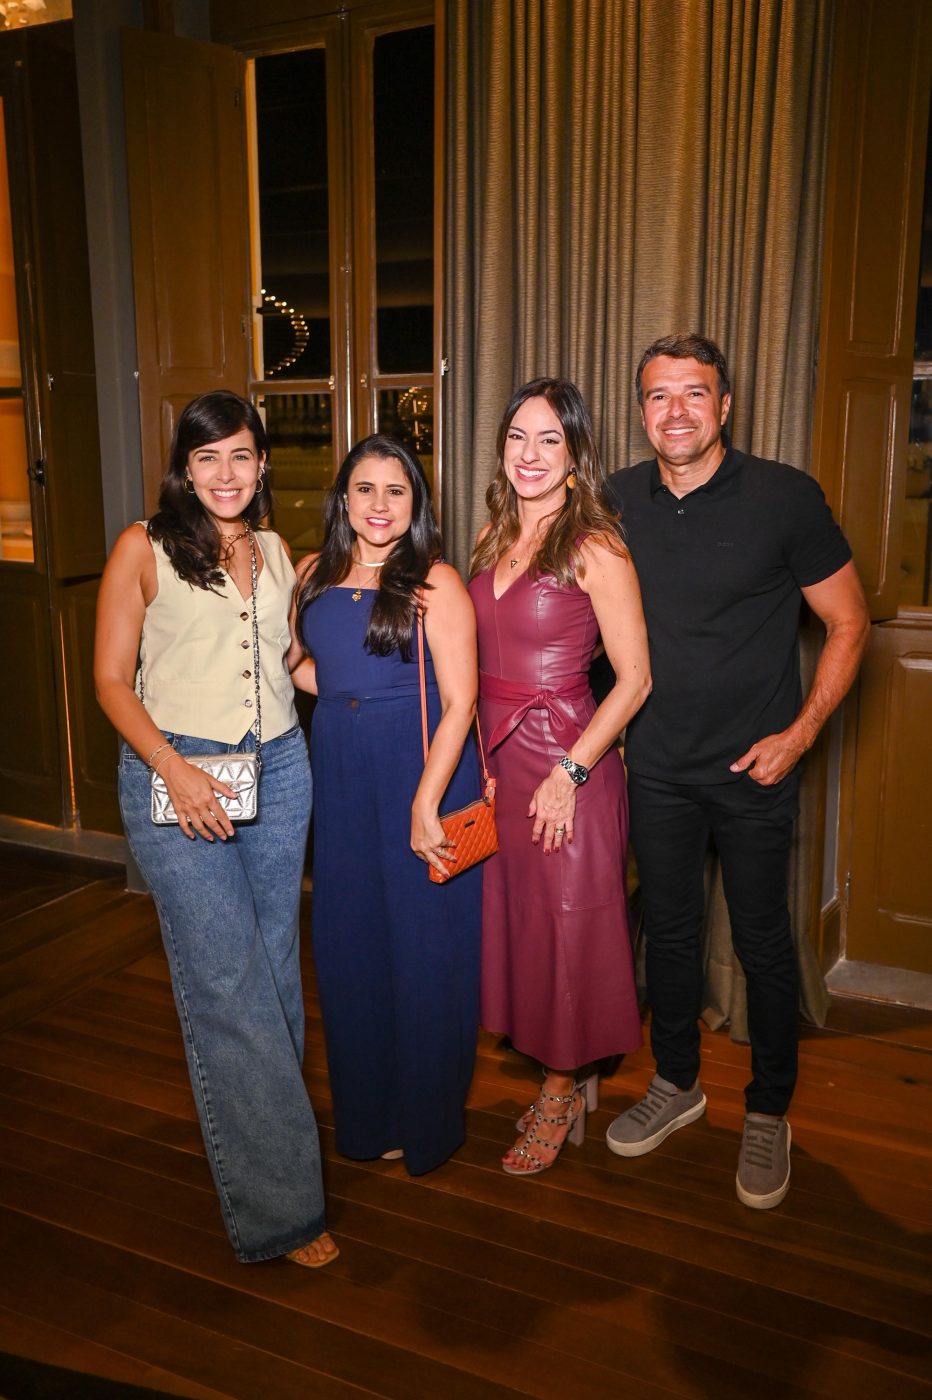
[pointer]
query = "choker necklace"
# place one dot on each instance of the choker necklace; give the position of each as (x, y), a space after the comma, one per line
(361, 564)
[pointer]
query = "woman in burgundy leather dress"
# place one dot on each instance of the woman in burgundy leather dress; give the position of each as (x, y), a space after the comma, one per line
(550, 575)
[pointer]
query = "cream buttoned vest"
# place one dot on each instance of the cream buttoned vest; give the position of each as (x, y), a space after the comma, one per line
(196, 659)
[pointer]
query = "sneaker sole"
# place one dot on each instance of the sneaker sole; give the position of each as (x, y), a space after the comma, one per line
(638, 1149)
(773, 1198)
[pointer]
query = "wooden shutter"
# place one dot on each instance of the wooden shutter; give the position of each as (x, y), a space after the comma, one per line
(872, 231)
(67, 385)
(185, 144)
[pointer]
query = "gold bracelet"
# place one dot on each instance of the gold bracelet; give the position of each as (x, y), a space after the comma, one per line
(165, 759)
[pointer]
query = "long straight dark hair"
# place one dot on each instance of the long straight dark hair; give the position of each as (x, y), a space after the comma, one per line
(181, 524)
(405, 571)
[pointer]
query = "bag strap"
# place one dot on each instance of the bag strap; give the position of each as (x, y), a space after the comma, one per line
(423, 680)
(254, 579)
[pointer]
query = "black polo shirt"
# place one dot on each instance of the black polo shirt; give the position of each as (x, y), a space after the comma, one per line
(720, 572)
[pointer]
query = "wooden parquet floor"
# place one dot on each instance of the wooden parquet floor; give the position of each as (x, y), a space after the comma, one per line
(601, 1278)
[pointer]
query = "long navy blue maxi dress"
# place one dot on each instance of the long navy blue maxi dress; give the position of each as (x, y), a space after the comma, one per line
(397, 956)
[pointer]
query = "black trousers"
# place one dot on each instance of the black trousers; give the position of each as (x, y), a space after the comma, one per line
(752, 827)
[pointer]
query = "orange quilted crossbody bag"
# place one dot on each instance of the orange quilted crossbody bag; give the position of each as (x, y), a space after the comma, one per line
(471, 829)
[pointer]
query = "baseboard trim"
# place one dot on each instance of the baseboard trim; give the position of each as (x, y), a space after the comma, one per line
(90, 845)
(872, 982)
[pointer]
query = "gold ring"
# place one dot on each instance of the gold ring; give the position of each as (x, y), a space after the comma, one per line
(559, 830)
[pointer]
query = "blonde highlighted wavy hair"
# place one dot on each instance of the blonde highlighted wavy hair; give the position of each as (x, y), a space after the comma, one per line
(584, 512)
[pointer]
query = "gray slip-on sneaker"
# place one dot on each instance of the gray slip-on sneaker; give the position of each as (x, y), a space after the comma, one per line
(663, 1109)
(764, 1161)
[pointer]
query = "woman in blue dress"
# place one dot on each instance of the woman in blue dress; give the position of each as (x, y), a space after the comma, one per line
(397, 955)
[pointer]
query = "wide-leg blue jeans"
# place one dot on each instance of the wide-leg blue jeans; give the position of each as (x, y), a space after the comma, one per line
(229, 917)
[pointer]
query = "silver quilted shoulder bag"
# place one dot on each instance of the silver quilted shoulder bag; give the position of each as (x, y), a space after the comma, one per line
(238, 770)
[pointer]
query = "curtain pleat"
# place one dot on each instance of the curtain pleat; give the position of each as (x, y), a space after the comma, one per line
(618, 170)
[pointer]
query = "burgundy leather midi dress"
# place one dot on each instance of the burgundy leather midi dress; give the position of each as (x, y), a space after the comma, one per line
(557, 970)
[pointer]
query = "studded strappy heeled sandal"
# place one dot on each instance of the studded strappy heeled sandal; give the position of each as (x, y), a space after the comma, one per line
(576, 1122)
(588, 1086)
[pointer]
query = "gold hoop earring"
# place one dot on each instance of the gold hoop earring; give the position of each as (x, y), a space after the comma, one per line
(189, 486)
(571, 482)
(260, 482)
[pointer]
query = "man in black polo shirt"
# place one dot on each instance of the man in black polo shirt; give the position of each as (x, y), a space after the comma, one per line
(725, 545)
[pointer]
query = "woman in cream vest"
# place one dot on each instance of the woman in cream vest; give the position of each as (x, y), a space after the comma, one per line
(178, 593)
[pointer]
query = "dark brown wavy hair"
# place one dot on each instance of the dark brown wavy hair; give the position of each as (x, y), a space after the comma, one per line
(405, 571)
(583, 513)
(181, 524)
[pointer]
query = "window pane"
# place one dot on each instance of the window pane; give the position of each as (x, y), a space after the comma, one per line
(403, 106)
(300, 430)
(291, 140)
(15, 510)
(408, 414)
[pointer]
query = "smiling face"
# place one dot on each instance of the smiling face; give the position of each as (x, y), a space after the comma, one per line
(536, 458)
(379, 503)
(683, 412)
(224, 475)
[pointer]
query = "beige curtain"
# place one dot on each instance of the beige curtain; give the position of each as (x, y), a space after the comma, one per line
(617, 170)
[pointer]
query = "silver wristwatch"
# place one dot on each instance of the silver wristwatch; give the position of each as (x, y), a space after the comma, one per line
(577, 772)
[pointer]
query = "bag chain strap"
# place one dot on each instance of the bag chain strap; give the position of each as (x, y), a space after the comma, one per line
(254, 571)
(255, 644)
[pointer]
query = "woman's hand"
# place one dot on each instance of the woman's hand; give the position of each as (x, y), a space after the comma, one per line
(428, 841)
(194, 796)
(553, 808)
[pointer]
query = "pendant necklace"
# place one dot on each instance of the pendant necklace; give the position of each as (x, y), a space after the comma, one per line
(361, 564)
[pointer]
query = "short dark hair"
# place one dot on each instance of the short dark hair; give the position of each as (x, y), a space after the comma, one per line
(181, 524)
(687, 345)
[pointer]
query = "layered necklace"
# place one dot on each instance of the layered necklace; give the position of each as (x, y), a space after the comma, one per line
(227, 546)
(361, 564)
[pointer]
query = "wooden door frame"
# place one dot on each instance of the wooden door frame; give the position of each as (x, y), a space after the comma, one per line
(849, 473)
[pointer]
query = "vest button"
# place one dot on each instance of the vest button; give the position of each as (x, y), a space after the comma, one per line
(246, 675)
(248, 704)
(244, 645)
(244, 617)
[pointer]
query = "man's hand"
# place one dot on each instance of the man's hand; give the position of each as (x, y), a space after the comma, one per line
(839, 602)
(772, 758)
